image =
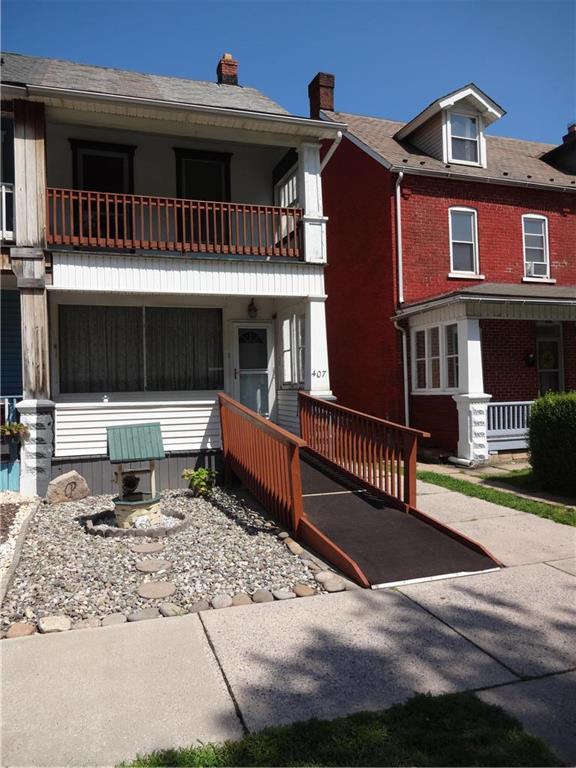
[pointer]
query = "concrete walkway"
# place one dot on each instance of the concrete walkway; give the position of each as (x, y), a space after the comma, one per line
(95, 697)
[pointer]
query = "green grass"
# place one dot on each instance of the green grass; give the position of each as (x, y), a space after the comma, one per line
(555, 512)
(448, 730)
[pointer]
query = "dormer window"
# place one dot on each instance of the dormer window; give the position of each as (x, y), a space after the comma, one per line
(464, 139)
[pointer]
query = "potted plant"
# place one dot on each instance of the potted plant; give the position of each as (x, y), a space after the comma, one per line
(14, 431)
(201, 480)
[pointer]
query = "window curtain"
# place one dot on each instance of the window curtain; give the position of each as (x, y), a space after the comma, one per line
(183, 349)
(101, 349)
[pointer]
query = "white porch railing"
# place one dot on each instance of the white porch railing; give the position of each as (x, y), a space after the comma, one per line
(6, 211)
(508, 425)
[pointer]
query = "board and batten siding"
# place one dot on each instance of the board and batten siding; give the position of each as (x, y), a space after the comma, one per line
(287, 410)
(184, 275)
(187, 425)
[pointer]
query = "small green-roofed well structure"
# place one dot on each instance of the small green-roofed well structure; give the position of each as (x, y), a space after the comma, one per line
(129, 443)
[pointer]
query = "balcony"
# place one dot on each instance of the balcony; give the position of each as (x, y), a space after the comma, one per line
(77, 218)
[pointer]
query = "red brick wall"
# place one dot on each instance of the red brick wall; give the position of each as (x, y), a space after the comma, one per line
(505, 344)
(364, 347)
(499, 209)
(438, 415)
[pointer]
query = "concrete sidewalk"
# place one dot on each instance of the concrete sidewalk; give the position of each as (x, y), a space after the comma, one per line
(95, 697)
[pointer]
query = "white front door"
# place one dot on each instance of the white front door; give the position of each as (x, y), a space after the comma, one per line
(254, 366)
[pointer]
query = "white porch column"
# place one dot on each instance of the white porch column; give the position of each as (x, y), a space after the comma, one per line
(36, 450)
(472, 402)
(317, 373)
(310, 199)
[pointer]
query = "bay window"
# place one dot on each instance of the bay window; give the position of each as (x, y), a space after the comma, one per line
(435, 358)
(138, 349)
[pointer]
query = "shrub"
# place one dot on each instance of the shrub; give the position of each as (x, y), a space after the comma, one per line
(552, 431)
(201, 480)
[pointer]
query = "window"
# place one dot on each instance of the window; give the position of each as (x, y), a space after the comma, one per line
(451, 356)
(549, 358)
(136, 349)
(436, 358)
(293, 349)
(463, 241)
(464, 139)
(535, 237)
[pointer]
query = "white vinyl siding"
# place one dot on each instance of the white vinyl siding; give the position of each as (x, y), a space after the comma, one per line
(463, 242)
(435, 359)
(287, 410)
(428, 137)
(80, 427)
(535, 241)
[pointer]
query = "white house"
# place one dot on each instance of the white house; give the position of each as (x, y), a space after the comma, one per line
(167, 241)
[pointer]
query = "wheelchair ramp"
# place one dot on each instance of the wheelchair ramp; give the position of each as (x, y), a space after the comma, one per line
(387, 545)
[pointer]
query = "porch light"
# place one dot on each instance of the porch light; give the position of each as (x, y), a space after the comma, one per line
(252, 310)
(530, 359)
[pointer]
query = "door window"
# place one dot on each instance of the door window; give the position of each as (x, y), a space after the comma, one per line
(549, 354)
(253, 369)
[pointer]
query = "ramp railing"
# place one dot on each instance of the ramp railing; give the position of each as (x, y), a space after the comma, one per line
(265, 457)
(380, 453)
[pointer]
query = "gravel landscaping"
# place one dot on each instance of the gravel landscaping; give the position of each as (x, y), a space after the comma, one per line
(227, 549)
(14, 510)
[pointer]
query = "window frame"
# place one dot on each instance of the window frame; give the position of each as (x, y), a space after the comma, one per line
(536, 217)
(92, 396)
(443, 389)
(448, 156)
(295, 353)
(461, 273)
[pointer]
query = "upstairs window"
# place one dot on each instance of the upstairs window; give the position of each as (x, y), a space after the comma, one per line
(464, 139)
(535, 236)
(463, 242)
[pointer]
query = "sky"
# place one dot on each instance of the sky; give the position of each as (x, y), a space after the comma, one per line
(390, 58)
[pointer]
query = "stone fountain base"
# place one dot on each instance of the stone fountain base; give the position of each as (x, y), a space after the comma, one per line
(136, 505)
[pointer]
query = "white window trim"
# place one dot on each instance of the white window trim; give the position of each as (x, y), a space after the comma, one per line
(454, 272)
(447, 138)
(297, 376)
(532, 278)
(443, 389)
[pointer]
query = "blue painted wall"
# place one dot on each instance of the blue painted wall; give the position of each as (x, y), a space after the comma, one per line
(10, 344)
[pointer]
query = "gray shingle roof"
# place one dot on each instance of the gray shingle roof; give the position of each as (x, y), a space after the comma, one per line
(31, 70)
(507, 159)
(534, 291)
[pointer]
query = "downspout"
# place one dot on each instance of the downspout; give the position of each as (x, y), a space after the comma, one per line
(399, 239)
(401, 297)
(334, 146)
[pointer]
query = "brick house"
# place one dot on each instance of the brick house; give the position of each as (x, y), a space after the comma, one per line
(452, 274)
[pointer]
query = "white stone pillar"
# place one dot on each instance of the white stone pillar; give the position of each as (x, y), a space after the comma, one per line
(472, 402)
(310, 199)
(36, 450)
(316, 370)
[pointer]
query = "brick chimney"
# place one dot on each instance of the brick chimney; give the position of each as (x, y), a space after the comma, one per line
(570, 137)
(227, 70)
(321, 94)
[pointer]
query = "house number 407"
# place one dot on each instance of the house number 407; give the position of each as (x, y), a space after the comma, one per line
(319, 374)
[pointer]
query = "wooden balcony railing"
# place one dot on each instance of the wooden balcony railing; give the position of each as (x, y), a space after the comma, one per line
(141, 222)
(379, 453)
(265, 458)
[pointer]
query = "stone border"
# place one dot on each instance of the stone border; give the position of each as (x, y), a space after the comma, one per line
(21, 535)
(93, 527)
(326, 579)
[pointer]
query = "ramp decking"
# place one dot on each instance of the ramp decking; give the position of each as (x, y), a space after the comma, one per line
(388, 545)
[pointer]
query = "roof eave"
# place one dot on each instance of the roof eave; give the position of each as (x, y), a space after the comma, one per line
(304, 126)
